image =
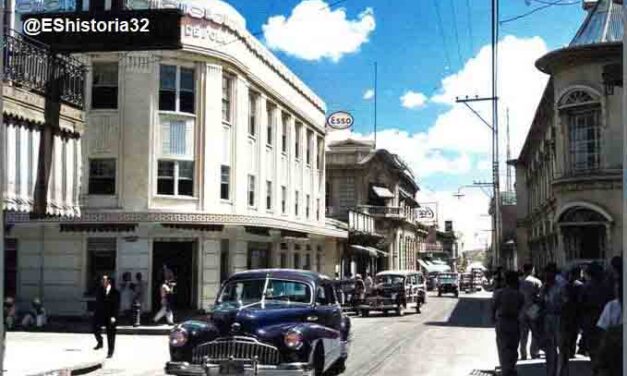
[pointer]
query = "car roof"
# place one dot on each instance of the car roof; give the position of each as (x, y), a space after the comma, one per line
(291, 274)
(399, 272)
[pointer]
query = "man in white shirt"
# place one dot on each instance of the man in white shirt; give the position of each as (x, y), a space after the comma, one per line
(530, 287)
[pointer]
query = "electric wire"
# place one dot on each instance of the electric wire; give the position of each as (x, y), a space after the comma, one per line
(546, 4)
(459, 54)
(441, 29)
(469, 19)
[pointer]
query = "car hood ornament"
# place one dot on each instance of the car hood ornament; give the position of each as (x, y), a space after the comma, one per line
(236, 328)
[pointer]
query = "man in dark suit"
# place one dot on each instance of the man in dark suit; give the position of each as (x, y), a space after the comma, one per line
(106, 313)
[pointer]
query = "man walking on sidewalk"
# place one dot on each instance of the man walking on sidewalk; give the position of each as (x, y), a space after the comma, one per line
(530, 287)
(106, 314)
(507, 305)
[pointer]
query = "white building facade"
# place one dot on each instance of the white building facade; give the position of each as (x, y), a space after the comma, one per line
(208, 160)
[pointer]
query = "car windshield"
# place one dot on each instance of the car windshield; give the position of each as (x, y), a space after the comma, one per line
(251, 291)
(447, 278)
(390, 279)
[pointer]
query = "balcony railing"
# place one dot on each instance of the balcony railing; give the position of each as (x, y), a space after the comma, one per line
(33, 66)
(389, 212)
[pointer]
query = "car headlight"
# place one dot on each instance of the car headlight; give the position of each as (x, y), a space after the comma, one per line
(393, 296)
(178, 337)
(293, 339)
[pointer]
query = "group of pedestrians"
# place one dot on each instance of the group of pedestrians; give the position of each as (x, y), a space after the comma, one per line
(569, 312)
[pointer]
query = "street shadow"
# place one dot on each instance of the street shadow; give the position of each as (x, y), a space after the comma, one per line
(469, 312)
(578, 367)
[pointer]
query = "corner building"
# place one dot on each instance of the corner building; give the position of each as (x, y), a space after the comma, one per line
(208, 159)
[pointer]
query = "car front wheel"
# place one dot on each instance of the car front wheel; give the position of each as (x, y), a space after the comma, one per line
(318, 361)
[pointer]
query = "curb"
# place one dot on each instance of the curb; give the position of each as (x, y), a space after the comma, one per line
(80, 369)
(143, 330)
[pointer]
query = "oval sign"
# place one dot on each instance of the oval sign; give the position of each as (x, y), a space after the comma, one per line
(340, 120)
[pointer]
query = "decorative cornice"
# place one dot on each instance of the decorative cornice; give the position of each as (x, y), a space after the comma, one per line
(186, 218)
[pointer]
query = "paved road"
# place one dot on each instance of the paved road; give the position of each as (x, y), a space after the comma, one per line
(450, 338)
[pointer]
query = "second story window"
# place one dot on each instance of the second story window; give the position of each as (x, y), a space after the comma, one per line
(252, 114)
(283, 199)
(102, 176)
(175, 178)
(104, 92)
(268, 195)
(581, 111)
(175, 170)
(296, 203)
(227, 94)
(309, 146)
(176, 89)
(251, 190)
(225, 182)
(307, 206)
(317, 209)
(320, 155)
(284, 131)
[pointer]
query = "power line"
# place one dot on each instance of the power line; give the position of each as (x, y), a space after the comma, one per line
(469, 18)
(547, 4)
(459, 54)
(441, 29)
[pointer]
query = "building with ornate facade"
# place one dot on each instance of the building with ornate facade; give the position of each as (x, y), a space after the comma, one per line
(205, 160)
(374, 186)
(568, 175)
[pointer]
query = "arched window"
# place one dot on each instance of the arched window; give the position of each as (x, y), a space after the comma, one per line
(582, 114)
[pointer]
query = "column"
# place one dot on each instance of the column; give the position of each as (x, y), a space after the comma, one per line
(210, 274)
(262, 137)
(276, 196)
(211, 131)
(241, 158)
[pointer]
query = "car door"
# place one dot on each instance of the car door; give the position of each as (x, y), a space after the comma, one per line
(330, 316)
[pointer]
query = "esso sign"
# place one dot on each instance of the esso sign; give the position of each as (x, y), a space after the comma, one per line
(340, 120)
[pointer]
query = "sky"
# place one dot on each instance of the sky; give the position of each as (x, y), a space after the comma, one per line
(427, 53)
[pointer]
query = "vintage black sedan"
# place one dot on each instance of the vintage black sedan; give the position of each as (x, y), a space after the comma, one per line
(265, 322)
(448, 283)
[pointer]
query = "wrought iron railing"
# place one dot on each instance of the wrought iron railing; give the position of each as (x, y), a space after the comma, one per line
(29, 64)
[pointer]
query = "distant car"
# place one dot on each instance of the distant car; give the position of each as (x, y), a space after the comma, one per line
(265, 322)
(395, 291)
(448, 283)
(432, 281)
(466, 283)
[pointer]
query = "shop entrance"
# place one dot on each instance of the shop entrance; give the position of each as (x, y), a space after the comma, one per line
(180, 258)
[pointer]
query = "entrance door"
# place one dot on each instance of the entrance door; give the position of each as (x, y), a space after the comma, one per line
(180, 258)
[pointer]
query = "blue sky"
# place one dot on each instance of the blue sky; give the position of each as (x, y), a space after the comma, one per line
(406, 41)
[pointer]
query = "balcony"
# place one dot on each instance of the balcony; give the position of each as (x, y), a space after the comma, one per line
(34, 67)
(392, 212)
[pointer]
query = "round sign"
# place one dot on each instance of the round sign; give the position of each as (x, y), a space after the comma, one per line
(340, 120)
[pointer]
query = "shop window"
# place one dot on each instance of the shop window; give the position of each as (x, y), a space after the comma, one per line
(258, 256)
(101, 255)
(101, 176)
(104, 92)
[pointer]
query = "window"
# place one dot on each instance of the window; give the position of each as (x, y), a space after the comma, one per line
(320, 155)
(252, 114)
(176, 89)
(177, 138)
(225, 180)
(307, 262)
(284, 133)
(227, 93)
(317, 209)
(296, 260)
(175, 178)
(104, 92)
(584, 138)
(283, 260)
(297, 141)
(258, 256)
(319, 262)
(283, 199)
(270, 123)
(268, 195)
(296, 203)
(101, 255)
(251, 190)
(307, 199)
(346, 196)
(224, 260)
(102, 177)
(309, 147)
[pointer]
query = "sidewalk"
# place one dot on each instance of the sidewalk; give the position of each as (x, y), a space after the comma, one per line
(578, 367)
(29, 354)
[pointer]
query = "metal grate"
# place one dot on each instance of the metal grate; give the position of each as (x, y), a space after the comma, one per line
(236, 348)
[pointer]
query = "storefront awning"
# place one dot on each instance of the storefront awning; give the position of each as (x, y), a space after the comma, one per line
(97, 227)
(382, 192)
(374, 252)
(429, 267)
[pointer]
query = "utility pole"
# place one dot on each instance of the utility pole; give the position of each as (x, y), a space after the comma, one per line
(494, 127)
(2, 183)
(509, 187)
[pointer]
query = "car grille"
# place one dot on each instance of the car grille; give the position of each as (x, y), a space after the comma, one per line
(237, 348)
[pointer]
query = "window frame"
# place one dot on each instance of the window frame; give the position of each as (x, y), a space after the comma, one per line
(285, 133)
(283, 200)
(298, 126)
(296, 203)
(176, 178)
(251, 188)
(228, 183)
(116, 87)
(178, 89)
(270, 123)
(228, 80)
(253, 116)
(269, 195)
(114, 177)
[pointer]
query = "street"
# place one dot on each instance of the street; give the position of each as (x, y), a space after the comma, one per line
(451, 337)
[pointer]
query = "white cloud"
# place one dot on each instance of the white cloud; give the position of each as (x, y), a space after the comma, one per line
(412, 99)
(369, 94)
(457, 137)
(313, 31)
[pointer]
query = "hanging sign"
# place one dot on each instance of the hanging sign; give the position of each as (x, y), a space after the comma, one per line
(340, 120)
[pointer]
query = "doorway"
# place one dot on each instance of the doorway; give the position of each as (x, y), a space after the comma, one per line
(180, 258)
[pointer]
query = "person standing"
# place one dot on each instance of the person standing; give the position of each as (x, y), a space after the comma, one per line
(610, 359)
(570, 304)
(106, 314)
(507, 305)
(165, 294)
(551, 301)
(594, 296)
(368, 283)
(530, 287)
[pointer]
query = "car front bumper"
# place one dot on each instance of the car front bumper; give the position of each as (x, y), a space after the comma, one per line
(210, 369)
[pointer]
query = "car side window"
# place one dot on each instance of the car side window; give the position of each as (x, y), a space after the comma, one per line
(330, 294)
(321, 297)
